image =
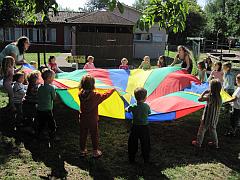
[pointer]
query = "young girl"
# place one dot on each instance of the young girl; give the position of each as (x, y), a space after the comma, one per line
(211, 113)
(7, 72)
(145, 65)
(235, 119)
(208, 64)
(161, 62)
(202, 74)
(31, 100)
(217, 72)
(89, 64)
(89, 114)
(124, 65)
(53, 65)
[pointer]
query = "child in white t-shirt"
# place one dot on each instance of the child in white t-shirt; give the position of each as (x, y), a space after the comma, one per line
(235, 118)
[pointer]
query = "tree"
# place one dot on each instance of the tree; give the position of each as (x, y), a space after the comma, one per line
(195, 24)
(93, 5)
(19, 11)
(140, 4)
(169, 14)
(222, 16)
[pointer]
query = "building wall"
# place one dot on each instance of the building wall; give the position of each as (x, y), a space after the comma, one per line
(153, 48)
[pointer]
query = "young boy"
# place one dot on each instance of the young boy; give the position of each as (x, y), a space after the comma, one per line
(228, 78)
(19, 91)
(89, 64)
(235, 118)
(46, 95)
(139, 130)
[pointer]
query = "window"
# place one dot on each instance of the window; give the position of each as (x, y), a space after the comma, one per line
(1, 34)
(9, 34)
(51, 35)
(137, 37)
(157, 38)
(18, 33)
(35, 31)
(142, 37)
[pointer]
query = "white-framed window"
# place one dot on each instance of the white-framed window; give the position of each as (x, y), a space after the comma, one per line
(142, 36)
(1, 34)
(9, 34)
(157, 38)
(18, 33)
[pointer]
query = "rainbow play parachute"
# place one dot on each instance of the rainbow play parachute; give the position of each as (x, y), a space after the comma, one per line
(172, 93)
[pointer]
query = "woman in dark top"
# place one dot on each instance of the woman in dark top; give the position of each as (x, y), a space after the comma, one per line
(185, 57)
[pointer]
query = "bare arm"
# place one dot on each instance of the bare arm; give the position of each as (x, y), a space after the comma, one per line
(203, 97)
(187, 60)
(175, 60)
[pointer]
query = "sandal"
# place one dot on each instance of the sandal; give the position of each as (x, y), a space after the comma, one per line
(196, 144)
(97, 153)
(211, 144)
(83, 153)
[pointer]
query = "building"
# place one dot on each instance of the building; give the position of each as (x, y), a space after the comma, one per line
(103, 34)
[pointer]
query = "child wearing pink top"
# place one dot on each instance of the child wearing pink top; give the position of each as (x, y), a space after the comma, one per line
(89, 64)
(217, 72)
(124, 65)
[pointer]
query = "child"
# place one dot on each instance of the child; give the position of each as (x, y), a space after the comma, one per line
(19, 91)
(228, 78)
(139, 129)
(211, 113)
(208, 64)
(202, 74)
(217, 72)
(89, 64)
(145, 65)
(31, 100)
(7, 72)
(46, 95)
(53, 65)
(124, 65)
(161, 62)
(235, 118)
(89, 114)
(33, 64)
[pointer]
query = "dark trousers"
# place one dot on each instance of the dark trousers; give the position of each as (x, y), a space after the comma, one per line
(235, 119)
(19, 114)
(45, 119)
(139, 132)
(93, 129)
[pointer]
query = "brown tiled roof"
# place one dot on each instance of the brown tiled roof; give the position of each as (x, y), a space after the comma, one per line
(63, 15)
(100, 17)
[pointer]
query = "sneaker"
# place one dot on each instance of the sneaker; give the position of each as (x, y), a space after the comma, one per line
(211, 144)
(230, 134)
(83, 153)
(196, 144)
(97, 153)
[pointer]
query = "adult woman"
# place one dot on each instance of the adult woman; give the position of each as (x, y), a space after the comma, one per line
(185, 57)
(16, 50)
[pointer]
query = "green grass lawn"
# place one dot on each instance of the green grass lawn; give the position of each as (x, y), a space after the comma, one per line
(172, 152)
(34, 57)
(172, 54)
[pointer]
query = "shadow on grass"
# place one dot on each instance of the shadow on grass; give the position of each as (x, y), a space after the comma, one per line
(171, 147)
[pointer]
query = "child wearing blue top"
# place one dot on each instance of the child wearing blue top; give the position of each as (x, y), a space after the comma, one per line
(202, 72)
(139, 130)
(228, 78)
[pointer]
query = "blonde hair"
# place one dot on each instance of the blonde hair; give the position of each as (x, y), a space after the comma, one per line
(90, 57)
(33, 77)
(8, 62)
(124, 59)
(146, 58)
(47, 74)
(215, 89)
